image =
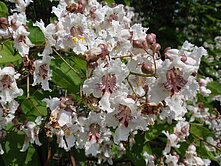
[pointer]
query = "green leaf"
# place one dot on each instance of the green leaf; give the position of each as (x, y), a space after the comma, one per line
(199, 130)
(7, 53)
(215, 88)
(12, 155)
(36, 36)
(3, 10)
(154, 131)
(136, 153)
(64, 76)
(127, 2)
(204, 153)
(110, 2)
(35, 106)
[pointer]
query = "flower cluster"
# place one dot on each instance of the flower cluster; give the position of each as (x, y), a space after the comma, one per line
(129, 85)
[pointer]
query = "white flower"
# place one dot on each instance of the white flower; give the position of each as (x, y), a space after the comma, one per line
(42, 73)
(106, 80)
(8, 85)
(94, 133)
(182, 130)
(31, 130)
(49, 33)
(7, 111)
(21, 41)
(149, 159)
(172, 141)
(171, 160)
(191, 158)
(62, 121)
(21, 5)
(126, 118)
(139, 32)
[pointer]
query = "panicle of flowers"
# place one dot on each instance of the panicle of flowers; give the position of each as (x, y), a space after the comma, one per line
(130, 85)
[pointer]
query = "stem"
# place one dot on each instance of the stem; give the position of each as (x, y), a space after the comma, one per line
(72, 54)
(154, 62)
(73, 162)
(143, 75)
(48, 161)
(67, 63)
(121, 56)
(28, 94)
(131, 86)
(35, 106)
(219, 149)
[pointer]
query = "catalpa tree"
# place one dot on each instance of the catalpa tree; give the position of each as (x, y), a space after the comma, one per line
(92, 87)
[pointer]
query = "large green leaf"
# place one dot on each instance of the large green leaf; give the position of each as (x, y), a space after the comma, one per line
(199, 131)
(154, 131)
(3, 10)
(7, 53)
(136, 153)
(33, 107)
(64, 76)
(215, 88)
(12, 155)
(204, 153)
(36, 36)
(110, 2)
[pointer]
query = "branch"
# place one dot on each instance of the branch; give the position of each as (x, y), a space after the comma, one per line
(73, 162)
(219, 149)
(143, 75)
(67, 63)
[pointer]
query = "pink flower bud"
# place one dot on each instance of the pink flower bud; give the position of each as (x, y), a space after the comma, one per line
(82, 2)
(3, 20)
(147, 69)
(151, 38)
(156, 47)
(55, 21)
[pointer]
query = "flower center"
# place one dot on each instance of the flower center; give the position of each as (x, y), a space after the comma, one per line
(43, 71)
(94, 129)
(124, 115)
(108, 83)
(174, 80)
(6, 81)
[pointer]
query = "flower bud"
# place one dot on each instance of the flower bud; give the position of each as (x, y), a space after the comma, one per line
(156, 47)
(55, 21)
(82, 2)
(3, 20)
(147, 69)
(151, 38)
